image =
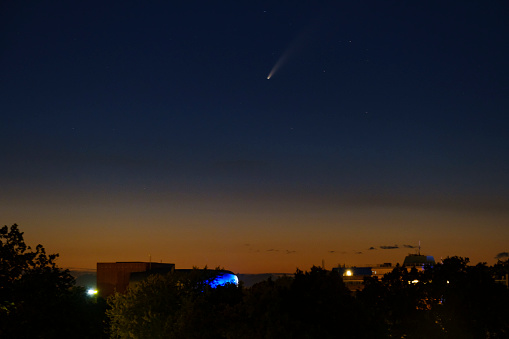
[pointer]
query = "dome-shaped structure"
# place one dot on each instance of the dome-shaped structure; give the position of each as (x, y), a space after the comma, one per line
(223, 278)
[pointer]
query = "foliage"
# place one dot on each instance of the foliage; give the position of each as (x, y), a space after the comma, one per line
(402, 303)
(175, 305)
(309, 305)
(500, 269)
(450, 300)
(314, 304)
(471, 304)
(37, 298)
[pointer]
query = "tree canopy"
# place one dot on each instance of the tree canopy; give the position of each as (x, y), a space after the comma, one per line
(451, 299)
(309, 305)
(37, 298)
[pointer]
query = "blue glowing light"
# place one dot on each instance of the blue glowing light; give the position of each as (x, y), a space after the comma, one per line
(224, 278)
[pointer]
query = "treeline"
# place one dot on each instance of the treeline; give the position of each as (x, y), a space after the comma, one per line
(39, 299)
(450, 300)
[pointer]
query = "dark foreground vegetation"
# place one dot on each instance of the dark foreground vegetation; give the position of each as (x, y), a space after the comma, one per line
(449, 300)
(40, 300)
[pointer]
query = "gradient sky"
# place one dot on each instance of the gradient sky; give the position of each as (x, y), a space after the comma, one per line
(132, 129)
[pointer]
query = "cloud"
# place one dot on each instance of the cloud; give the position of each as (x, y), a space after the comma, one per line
(389, 247)
(372, 248)
(274, 250)
(358, 252)
(332, 251)
(502, 255)
(409, 246)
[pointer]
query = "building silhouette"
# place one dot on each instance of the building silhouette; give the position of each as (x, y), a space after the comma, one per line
(115, 276)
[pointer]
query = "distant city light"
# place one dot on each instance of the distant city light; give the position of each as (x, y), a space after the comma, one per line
(348, 273)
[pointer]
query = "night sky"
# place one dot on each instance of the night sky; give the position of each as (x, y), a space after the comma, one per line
(137, 130)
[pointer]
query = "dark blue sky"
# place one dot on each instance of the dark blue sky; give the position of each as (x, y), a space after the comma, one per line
(398, 104)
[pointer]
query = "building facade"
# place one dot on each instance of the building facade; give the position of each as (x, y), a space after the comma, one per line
(115, 276)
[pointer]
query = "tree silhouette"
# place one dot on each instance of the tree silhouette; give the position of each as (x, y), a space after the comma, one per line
(401, 301)
(452, 299)
(470, 303)
(173, 305)
(37, 298)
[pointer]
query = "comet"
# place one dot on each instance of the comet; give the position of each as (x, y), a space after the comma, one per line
(282, 59)
(296, 45)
